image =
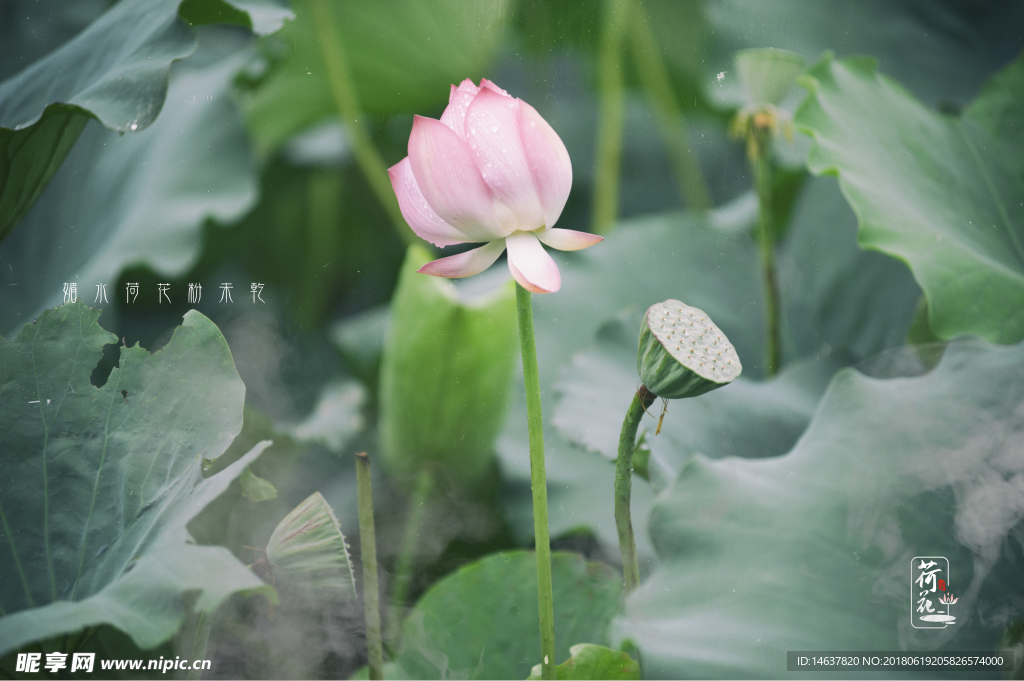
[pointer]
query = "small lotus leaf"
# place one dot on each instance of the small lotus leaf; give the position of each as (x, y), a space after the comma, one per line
(308, 551)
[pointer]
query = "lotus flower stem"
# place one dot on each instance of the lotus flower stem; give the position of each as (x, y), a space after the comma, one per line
(766, 240)
(610, 117)
(538, 482)
(200, 643)
(624, 486)
(656, 82)
(406, 554)
(368, 549)
(347, 102)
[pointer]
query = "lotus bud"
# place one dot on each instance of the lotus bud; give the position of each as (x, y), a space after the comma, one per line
(682, 353)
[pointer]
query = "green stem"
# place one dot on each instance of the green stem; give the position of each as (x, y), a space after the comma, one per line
(200, 643)
(766, 240)
(347, 102)
(610, 117)
(624, 486)
(323, 196)
(406, 554)
(368, 549)
(658, 86)
(538, 482)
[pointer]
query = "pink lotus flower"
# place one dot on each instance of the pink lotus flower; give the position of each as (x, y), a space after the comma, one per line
(491, 170)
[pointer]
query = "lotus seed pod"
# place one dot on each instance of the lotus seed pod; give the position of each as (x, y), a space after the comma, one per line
(682, 353)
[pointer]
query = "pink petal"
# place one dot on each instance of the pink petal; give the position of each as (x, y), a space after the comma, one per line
(492, 132)
(465, 264)
(417, 212)
(530, 264)
(450, 182)
(454, 115)
(484, 83)
(569, 239)
(468, 86)
(548, 161)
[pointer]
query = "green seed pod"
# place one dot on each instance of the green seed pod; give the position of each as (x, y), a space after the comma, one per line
(682, 353)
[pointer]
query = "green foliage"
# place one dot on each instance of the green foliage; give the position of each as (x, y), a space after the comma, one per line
(314, 239)
(481, 622)
(30, 158)
(831, 314)
(767, 74)
(108, 478)
(402, 55)
(950, 204)
(594, 662)
(308, 551)
(446, 374)
(999, 109)
(260, 16)
(140, 197)
(336, 419)
(941, 51)
(255, 488)
(810, 551)
(360, 339)
(749, 418)
(115, 71)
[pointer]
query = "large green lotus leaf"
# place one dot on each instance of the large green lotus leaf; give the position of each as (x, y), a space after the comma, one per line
(999, 109)
(812, 550)
(446, 373)
(115, 71)
(940, 50)
(107, 479)
(936, 192)
(140, 197)
(481, 622)
(262, 17)
(402, 57)
(837, 297)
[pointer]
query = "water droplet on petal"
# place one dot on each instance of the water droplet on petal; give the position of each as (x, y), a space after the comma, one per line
(494, 129)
